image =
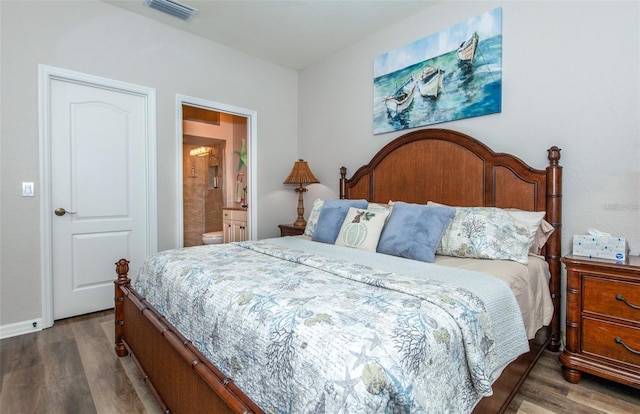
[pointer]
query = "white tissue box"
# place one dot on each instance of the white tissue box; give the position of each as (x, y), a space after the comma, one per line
(604, 247)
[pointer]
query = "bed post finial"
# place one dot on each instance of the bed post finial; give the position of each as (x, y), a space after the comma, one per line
(554, 155)
(122, 269)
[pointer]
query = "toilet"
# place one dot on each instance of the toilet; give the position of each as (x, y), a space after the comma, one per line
(213, 237)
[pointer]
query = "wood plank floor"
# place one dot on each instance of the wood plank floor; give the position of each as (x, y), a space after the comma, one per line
(72, 368)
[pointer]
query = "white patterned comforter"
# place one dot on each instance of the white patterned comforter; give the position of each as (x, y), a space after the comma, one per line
(306, 333)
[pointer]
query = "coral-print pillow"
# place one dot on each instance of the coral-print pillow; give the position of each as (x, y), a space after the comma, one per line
(485, 233)
(361, 228)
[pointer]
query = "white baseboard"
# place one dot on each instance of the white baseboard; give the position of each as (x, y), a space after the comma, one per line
(20, 328)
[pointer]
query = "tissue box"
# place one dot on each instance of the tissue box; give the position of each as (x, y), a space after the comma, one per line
(604, 247)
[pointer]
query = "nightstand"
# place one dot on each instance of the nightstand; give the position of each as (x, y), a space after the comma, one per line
(290, 230)
(603, 319)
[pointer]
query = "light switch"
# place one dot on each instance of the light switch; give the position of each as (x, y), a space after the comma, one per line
(28, 190)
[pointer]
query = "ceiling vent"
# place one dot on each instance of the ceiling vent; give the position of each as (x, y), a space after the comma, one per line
(181, 11)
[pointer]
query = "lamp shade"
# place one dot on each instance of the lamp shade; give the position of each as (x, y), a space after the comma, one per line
(301, 174)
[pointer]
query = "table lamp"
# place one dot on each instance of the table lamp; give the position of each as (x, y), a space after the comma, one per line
(300, 174)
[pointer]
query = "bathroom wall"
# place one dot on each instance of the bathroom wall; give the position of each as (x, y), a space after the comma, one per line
(232, 129)
(202, 200)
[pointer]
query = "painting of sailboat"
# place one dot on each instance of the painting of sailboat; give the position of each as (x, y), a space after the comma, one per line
(467, 50)
(430, 82)
(449, 75)
(401, 98)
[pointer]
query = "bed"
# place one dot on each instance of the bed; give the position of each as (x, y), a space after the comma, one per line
(429, 169)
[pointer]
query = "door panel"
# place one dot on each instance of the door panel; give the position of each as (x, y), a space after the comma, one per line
(100, 143)
(98, 165)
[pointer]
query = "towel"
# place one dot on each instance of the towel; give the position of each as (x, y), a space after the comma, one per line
(239, 191)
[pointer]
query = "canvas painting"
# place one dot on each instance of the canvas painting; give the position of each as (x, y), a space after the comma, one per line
(452, 74)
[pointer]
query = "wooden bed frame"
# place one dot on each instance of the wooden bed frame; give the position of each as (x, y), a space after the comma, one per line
(425, 165)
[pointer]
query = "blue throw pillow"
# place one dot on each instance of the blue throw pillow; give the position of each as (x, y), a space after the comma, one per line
(331, 217)
(414, 231)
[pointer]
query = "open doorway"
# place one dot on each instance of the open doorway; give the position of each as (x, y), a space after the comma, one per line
(203, 186)
(216, 152)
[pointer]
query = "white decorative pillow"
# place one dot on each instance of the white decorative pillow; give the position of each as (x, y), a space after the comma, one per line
(313, 217)
(361, 228)
(485, 233)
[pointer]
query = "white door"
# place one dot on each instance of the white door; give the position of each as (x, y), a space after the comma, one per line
(99, 139)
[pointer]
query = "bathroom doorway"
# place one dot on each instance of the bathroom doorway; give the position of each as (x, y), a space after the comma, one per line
(216, 155)
(203, 186)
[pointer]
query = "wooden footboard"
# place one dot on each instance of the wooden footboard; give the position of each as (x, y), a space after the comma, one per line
(180, 377)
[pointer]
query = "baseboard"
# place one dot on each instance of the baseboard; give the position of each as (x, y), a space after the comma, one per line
(20, 328)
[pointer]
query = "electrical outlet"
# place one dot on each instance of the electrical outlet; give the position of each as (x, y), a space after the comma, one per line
(28, 190)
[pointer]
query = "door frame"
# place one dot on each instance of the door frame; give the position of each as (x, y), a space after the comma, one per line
(45, 75)
(252, 159)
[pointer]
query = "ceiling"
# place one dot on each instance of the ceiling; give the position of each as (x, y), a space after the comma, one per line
(293, 33)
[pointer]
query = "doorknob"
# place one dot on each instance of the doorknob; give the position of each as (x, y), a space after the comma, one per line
(61, 211)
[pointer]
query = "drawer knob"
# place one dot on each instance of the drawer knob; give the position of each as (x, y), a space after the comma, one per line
(627, 347)
(621, 298)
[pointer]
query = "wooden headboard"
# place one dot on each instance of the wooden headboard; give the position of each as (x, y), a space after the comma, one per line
(452, 168)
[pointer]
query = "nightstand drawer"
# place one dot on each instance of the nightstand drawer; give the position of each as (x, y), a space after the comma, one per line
(611, 341)
(611, 297)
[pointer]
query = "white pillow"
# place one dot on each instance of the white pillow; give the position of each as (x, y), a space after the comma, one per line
(313, 217)
(361, 228)
(379, 206)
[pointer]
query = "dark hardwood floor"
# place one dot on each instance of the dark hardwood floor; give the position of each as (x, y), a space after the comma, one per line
(72, 368)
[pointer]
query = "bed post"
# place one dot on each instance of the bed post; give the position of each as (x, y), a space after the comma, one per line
(122, 269)
(554, 251)
(343, 178)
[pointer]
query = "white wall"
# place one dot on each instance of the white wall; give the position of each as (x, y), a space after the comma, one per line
(99, 39)
(571, 78)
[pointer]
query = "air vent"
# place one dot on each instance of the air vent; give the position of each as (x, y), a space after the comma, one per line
(181, 11)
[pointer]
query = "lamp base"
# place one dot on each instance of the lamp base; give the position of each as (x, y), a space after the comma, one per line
(300, 221)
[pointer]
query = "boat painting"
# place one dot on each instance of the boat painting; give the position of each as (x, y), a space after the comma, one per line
(455, 73)
(401, 98)
(430, 82)
(467, 50)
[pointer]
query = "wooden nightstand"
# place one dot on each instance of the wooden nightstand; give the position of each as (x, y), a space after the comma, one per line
(603, 319)
(290, 230)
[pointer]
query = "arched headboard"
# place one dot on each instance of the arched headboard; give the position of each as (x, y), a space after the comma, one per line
(452, 168)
